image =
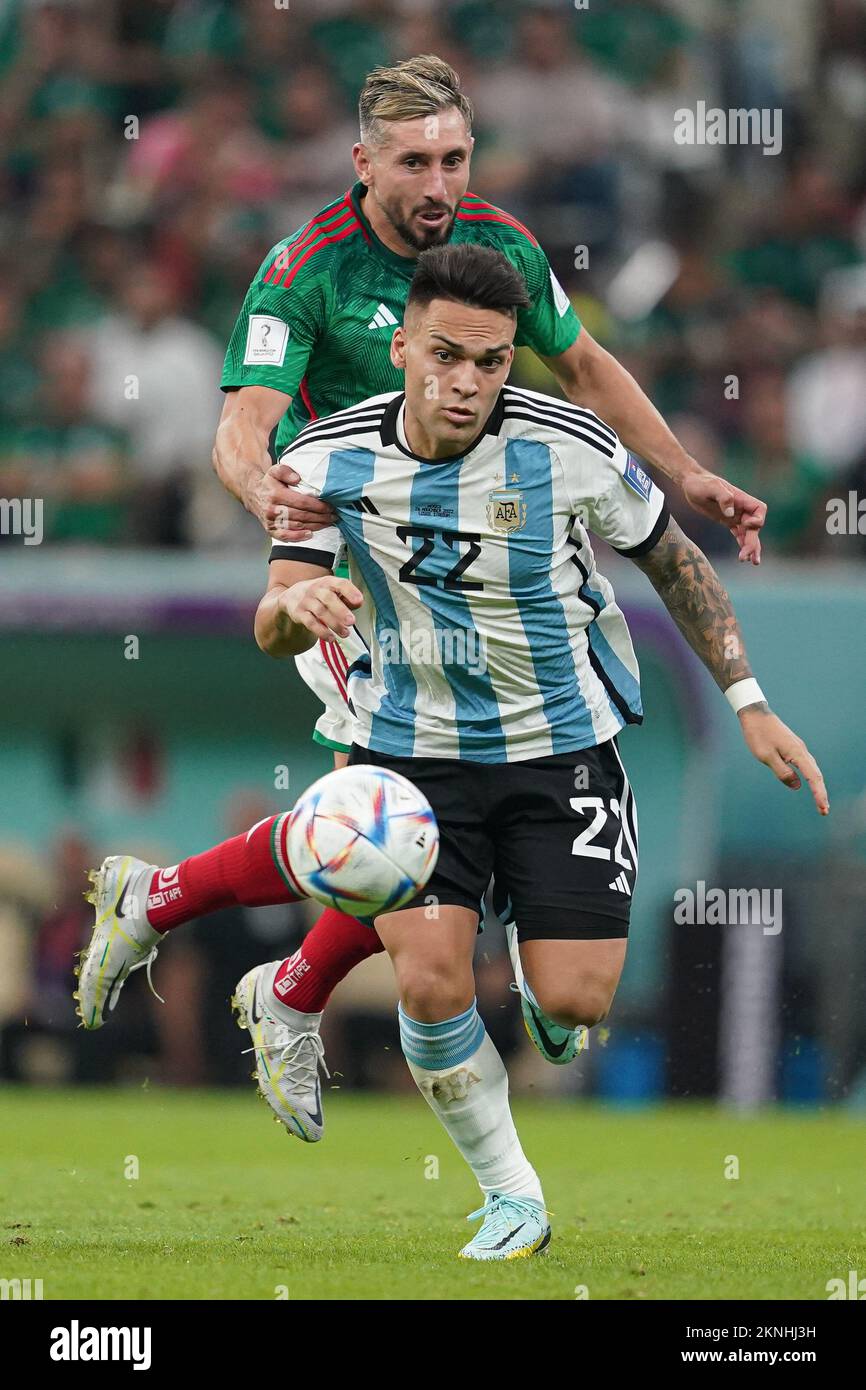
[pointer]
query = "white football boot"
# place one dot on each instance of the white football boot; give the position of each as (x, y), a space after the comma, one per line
(288, 1058)
(123, 940)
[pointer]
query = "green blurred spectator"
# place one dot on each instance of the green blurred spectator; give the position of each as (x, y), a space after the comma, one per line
(354, 42)
(19, 376)
(200, 30)
(806, 237)
(66, 457)
(763, 461)
(10, 33)
(485, 30)
(633, 39)
(61, 293)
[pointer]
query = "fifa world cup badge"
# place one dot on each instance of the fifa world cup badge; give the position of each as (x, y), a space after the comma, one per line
(506, 510)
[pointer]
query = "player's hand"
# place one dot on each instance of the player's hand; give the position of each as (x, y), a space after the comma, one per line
(779, 749)
(323, 606)
(742, 514)
(285, 513)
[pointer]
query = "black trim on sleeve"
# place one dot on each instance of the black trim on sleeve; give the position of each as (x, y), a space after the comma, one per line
(618, 700)
(302, 555)
(652, 539)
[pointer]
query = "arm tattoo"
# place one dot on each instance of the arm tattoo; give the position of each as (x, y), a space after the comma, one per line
(695, 598)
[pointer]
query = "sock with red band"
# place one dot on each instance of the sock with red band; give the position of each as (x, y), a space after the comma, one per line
(335, 944)
(251, 869)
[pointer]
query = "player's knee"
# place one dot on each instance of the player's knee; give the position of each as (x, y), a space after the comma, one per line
(584, 1006)
(432, 991)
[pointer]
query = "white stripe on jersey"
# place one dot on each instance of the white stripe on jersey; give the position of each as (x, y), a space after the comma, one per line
(413, 632)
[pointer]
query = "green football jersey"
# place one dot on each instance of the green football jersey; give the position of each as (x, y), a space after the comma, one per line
(319, 316)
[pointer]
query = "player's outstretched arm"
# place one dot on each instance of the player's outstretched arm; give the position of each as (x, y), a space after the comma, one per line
(243, 465)
(591, 377)
(699, 605)
(303, 604)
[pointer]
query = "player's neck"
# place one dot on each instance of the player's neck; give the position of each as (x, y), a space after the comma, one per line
(425, 446)
(385, 231)
(421, 444)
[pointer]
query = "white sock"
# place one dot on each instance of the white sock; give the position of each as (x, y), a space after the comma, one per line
(463, 1079)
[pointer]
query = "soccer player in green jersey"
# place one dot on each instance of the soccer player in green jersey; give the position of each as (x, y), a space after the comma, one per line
(315, 329)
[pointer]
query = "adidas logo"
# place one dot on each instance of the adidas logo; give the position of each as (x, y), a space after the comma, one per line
(383, 318)
(620, 885)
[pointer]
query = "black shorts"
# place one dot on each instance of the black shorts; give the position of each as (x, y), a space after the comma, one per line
(557, 834)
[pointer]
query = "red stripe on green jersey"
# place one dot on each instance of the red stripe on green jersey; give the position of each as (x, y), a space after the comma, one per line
(290, 274)
(305, 397)
(493, 216)
(323, 231)
(324, 223)
(474, 208)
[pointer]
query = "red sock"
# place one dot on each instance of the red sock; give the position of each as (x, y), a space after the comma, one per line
(251, 869)
(334, 945)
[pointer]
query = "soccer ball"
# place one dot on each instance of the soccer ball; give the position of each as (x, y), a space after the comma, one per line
(362, 839)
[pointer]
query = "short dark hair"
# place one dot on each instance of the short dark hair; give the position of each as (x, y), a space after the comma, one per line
(468, 274)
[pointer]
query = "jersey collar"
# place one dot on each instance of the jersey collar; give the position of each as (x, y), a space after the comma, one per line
(389, 435)
(405, 264)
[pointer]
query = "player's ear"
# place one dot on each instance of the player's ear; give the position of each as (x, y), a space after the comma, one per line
(361, 161)
(398, 349)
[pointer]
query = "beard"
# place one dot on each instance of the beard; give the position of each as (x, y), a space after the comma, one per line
(434, 236)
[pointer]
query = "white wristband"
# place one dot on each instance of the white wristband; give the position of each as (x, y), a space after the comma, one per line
(745, 692)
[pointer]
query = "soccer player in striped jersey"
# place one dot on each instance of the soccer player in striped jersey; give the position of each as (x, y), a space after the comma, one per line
(314, 336)
(498, 662)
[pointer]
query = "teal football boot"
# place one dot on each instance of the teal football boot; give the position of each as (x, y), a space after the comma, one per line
(512, 1228)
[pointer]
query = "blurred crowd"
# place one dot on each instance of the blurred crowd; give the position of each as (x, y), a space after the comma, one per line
(152, 150)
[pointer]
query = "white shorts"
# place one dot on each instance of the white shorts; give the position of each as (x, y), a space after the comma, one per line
(324, 668)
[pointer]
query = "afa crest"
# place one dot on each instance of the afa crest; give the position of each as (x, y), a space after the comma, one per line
(506, 510)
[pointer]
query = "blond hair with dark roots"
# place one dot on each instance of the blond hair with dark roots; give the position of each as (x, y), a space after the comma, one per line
(421, 86)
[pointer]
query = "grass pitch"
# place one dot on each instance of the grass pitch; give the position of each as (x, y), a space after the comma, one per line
(227, 1206)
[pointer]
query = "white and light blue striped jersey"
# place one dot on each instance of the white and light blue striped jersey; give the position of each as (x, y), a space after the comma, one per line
(492, 637)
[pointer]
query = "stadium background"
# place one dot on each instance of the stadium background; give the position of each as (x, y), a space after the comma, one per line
(149, 155)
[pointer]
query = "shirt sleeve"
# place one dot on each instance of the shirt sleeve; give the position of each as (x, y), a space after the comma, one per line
(614, 497)
(550, 325)
(326, 547)
(282, 318)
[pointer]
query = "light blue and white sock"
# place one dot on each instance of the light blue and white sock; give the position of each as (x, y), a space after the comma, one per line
(463, 1079)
